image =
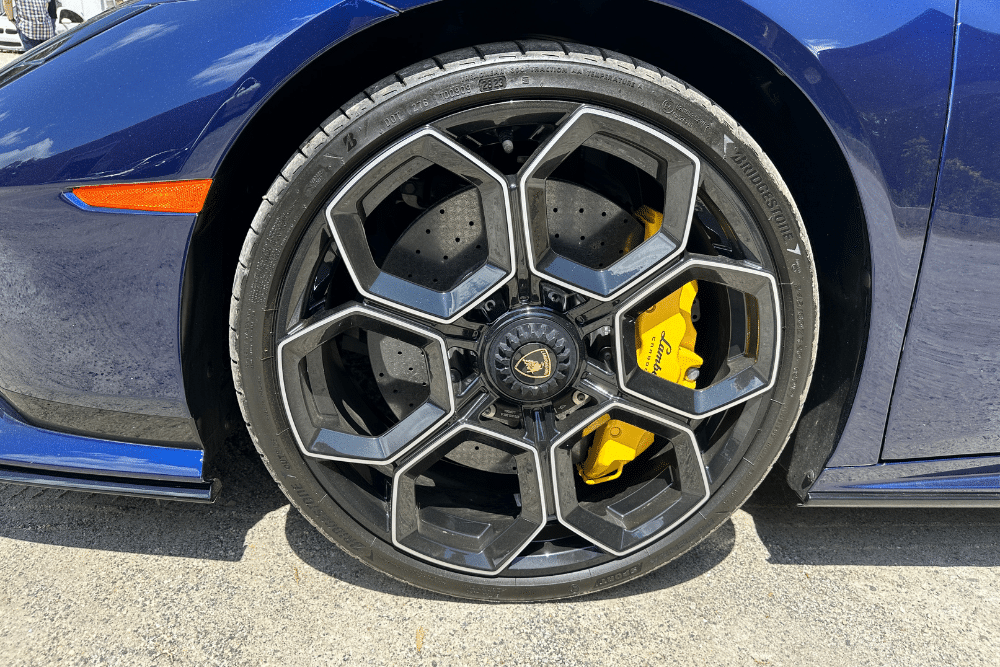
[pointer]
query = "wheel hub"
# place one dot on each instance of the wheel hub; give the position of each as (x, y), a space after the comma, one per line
(532, 356)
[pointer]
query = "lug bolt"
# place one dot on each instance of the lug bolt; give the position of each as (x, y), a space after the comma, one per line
(506, 140)
(490, 411)
(456, 377)
(692, 374)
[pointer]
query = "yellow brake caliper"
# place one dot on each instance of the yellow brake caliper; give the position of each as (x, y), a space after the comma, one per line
(665, 339)
(664, 334)
(615, 444)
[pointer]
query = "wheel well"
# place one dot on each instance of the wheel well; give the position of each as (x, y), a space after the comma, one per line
(748, 86)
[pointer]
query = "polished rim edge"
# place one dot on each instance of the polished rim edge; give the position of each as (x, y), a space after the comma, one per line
(325, 322)
(447, 435)
(426, 131)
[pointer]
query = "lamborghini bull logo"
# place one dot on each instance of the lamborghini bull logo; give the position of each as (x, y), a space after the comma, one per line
(536, 365)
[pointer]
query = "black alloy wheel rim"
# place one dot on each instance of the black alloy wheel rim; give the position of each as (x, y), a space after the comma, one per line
(446, 260)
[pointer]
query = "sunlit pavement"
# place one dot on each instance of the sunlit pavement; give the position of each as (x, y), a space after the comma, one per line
(92, 579)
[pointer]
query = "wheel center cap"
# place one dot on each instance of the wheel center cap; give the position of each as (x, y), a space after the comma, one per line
(531, 357)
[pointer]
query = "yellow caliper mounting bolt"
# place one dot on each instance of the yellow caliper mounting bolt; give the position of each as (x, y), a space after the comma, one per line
(665, 340)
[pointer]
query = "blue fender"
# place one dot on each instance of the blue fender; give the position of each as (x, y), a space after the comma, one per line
(90, 301)
(879, 76)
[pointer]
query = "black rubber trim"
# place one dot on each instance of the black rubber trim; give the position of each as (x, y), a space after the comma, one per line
(205, 491)
(920, 499)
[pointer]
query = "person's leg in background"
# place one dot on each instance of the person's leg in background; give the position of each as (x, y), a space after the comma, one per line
(33, 21)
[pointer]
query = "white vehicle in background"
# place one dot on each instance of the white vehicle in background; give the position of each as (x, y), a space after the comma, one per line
(69, 14)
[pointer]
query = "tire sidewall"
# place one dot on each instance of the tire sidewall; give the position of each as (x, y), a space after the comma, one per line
(370, 124)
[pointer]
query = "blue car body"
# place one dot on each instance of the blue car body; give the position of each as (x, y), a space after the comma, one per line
(108, 376)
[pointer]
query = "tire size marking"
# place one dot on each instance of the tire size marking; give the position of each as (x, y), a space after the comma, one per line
(303, 494)
(800, 305)
(484, 592)
(600, 74)
(618, 576)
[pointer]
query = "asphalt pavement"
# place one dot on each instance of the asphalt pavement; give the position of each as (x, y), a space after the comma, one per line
(105, 580)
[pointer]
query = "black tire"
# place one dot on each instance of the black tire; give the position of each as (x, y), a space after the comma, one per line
(292, 277)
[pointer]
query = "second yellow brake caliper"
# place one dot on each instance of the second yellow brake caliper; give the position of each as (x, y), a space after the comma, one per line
(615, 444)
(665, 340)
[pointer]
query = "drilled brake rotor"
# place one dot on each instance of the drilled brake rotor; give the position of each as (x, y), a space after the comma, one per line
(443, 245)
(400, 370)
(587, 227)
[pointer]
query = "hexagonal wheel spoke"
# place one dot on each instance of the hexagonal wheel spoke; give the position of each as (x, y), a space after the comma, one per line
(444, 245)
(330, 370)
(745, 302)
(655, 492)
(605, 201)
(479, 519)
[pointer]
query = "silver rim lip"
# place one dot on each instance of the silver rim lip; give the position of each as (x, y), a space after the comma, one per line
(617, 404)
(430, 333)
(374, 162)
(497, 436)
(680, 268)
(533, 164)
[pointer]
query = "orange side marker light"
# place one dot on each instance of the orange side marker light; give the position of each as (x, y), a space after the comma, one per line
(161, 196)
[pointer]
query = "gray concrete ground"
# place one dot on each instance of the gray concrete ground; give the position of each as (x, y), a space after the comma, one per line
(6, 57)
(100, 580)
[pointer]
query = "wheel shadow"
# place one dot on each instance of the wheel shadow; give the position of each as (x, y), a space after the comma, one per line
(791, 535)
(875, 537)
(313, 549)
(146, 526)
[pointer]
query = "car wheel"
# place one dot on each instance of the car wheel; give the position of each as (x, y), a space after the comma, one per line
(524, 321)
